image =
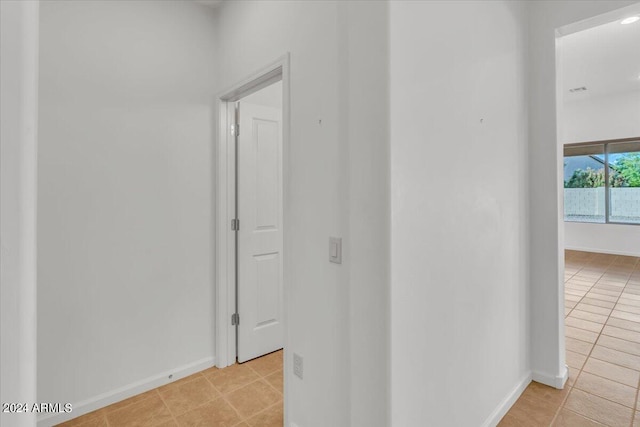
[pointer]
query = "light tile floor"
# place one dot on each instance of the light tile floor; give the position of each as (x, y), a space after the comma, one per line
(243, 395)
(602, 328)
(602, 309)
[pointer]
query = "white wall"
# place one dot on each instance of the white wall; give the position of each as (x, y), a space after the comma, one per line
(545, 197)
(596, 119)
(601, 118)
(125, 288)
(18, 150)
(337, 186)
(603, 238)
(369, 212)
(459, 245)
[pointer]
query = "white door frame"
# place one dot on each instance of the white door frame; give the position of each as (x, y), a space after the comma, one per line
(558, 381)
(225, 205)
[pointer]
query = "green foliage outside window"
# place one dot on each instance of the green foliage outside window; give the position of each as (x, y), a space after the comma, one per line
(624, 173)
(586, 179)
(628, 168)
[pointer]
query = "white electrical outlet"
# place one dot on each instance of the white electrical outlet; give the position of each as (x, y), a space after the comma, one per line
(298, 365)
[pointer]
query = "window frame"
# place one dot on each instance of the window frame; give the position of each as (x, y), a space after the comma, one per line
(605, 144)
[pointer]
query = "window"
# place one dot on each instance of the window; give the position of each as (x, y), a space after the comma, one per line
(602, 182)
(584, 189)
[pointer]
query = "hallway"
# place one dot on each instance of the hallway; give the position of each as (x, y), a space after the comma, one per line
(602, 309)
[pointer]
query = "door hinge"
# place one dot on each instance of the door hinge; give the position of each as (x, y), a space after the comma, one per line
(235, 224)
(235, 319)
(235, 129)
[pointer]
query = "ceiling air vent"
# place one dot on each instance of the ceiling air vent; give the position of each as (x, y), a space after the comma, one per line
(578, 89)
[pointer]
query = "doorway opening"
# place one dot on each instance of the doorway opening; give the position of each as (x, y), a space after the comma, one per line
(251, 282)
(258, 223)
(598, 135)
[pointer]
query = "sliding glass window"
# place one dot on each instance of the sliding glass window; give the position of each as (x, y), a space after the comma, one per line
(584, 178)
(624, 179)
(602, 182)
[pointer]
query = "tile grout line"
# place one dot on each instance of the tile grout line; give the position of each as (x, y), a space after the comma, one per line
(635, 403)
(605, 346)
(240, 417)
(630, 312)
(609, 317)
(263, 410)
(561, 406)
(609, 362)
(271, 385)
(596, 341)
(220, 396)
(173, 417)
(604, 324)
(604, 398)
(571, 387)
(261, 377)
(622, 339)
(583, 416)
(224, 397)
(591, 287)
(193, 377)
(615, 381)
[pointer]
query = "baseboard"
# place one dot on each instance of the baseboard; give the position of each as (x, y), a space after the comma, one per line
(602, 251)
(130, 390)
(507, 402)
(552, 380)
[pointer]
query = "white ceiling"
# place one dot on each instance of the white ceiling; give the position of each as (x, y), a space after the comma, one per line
(604, 59)
(210, 3)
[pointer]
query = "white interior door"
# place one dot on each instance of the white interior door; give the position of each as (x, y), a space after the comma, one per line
(260, 284)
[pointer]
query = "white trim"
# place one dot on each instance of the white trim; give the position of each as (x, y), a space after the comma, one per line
(225, 202)
(560, 358)
(19, 28)
(130, 390)
(268, 75)
(225, 242)
(591, 22)
(602, 251)
(225, 199)
(494, 418)
(555, 381)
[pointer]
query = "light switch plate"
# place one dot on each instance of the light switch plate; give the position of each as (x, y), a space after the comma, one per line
(335, 250)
